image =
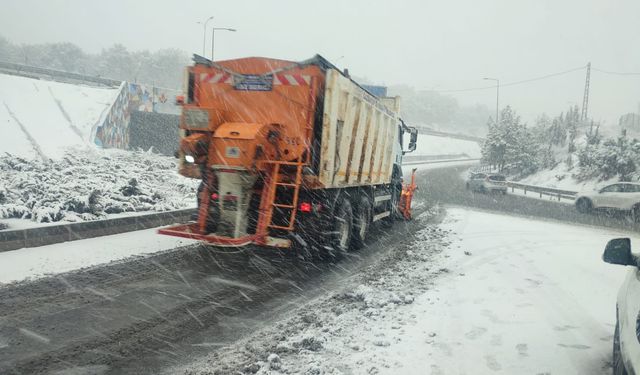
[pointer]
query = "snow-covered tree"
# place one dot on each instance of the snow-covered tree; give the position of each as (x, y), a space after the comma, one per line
(614, 157)
(510, 144)
(163, 68)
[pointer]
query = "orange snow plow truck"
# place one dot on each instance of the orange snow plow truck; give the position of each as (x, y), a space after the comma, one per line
(290, 154)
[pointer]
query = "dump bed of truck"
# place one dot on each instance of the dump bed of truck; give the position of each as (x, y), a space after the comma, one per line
(359, 133)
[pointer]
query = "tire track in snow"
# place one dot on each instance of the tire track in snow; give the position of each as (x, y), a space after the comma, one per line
(574, 327)
(32, 140)
(65, 114)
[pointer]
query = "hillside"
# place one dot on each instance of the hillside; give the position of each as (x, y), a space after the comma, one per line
(44, 118)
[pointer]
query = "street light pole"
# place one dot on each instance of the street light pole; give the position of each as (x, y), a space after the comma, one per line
(497, 97)
(213, 31)
(204, 35)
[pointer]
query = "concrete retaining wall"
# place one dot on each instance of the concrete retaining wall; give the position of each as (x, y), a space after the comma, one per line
(17, 239)
(157, 130)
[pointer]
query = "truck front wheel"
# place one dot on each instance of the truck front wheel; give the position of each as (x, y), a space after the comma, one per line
(342, 227)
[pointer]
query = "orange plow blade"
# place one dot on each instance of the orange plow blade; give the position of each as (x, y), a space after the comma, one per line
(191, 231)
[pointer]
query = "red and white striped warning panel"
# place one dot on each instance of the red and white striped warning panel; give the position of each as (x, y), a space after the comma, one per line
(278, 79)
(291, 79)
(216, 78)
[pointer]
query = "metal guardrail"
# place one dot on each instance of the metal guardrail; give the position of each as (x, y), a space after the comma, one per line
(37, 72)
(552, 192)
(51, 234)
(541, 190)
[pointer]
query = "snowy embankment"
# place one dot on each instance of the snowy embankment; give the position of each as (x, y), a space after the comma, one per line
(51, 171)
(562, 178)
(479, 293)
(42, 119)
(90, 184)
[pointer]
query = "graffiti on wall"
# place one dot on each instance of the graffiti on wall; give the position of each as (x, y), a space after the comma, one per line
(145, 98)
(114, 131)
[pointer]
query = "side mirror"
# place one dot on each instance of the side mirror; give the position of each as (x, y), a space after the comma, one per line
(413, 140)
(414, 137)
(618, 251)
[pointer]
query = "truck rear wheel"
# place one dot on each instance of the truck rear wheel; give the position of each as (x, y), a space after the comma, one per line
(342, 227)
(362, 222)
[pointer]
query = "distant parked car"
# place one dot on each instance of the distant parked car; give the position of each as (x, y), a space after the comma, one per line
(487, 183)
(626, 344)
(622, 196)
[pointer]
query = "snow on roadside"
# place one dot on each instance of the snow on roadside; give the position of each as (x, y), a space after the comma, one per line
(480, 293)
(35, 262)
(561, 178)
(91, 184)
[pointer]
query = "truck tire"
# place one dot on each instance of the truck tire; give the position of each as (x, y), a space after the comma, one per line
(635, 213)
(361, 222)
(342, 229)
(584, 206)
(618, 363)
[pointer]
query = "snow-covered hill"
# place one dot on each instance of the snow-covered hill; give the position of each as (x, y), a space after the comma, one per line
(41, 119)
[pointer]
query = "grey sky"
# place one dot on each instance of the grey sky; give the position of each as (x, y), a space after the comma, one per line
(425, 44)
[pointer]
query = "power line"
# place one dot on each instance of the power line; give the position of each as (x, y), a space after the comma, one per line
(515, 82)
(616, 73)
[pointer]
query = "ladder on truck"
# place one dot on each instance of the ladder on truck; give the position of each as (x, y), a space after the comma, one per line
(273, 180)
(270, 201)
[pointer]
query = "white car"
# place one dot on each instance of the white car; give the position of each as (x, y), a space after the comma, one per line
(621, 196)
(487, 183)
(626, 344)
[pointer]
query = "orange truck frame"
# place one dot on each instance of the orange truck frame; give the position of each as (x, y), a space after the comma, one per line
(289, 154)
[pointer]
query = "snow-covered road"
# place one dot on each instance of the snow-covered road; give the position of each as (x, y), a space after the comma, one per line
(478, 293)
(533, 297)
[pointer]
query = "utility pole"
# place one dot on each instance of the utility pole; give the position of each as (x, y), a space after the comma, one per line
(585, 99)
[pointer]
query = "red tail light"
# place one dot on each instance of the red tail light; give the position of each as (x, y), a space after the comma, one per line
(305, 207)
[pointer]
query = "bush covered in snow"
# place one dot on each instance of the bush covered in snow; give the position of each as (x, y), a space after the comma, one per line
(88, 184)
(610, 158)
